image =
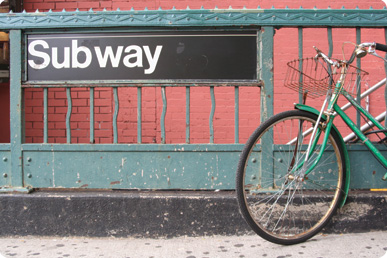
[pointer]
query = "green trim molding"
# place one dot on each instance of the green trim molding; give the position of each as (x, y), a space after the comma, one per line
(198, 17)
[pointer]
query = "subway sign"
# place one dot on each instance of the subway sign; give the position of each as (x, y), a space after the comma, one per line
(173, 56)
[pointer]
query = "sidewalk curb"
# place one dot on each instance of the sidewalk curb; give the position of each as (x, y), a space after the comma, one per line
(158, 214)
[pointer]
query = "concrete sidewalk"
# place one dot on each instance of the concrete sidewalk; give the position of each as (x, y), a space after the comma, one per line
(369, 245)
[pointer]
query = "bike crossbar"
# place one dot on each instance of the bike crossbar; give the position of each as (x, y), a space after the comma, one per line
(365, 127)
(348, 105)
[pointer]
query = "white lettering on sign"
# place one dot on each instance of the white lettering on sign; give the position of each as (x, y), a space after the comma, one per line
(136, 56)
(152, 60)
(75, 53)
(114, 59)
(43, 55)
(82, 56)
(66, 61)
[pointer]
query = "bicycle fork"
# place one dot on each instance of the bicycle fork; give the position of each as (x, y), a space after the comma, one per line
(316, 133)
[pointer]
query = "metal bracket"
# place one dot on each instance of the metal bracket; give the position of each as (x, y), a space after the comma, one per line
(24, 190)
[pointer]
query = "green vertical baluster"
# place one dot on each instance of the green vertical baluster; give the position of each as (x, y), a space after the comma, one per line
(162, 122)
(115, 115)
(330, 41)
(187, 113)
(236, 137)
(213, 105)
(45, 115)
(358, 64)
(68, 115)
(139, 115)
(300, 56)
(92, 115)
(385, 87)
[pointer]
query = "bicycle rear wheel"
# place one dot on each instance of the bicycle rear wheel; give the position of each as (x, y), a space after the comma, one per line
(277, 204)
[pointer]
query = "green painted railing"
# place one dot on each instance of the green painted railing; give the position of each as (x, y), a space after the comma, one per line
(151, 166)
(116, 107)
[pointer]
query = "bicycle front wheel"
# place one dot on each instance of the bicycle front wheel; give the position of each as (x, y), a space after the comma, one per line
(278, 201)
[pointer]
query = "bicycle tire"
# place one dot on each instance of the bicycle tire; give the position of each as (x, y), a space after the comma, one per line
(274, 204)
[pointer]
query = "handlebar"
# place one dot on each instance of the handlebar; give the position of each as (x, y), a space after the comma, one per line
(360, 51)
(381, 47)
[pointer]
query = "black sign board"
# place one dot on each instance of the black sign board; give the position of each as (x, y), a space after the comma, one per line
(178, 56)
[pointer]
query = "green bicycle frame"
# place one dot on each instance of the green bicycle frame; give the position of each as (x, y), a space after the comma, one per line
(333, 105)
(358, 132)
(327, 116)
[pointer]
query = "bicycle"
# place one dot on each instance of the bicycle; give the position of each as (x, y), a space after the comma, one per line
(293, 172)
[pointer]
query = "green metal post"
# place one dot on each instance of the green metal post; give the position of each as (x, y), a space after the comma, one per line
(266, 47)
(266, 71)
(17, 113)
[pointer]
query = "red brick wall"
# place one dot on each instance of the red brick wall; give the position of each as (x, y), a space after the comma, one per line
(286, 48)
(4, 113)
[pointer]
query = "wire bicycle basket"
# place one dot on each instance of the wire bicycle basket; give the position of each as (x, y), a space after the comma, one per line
(311, 76)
